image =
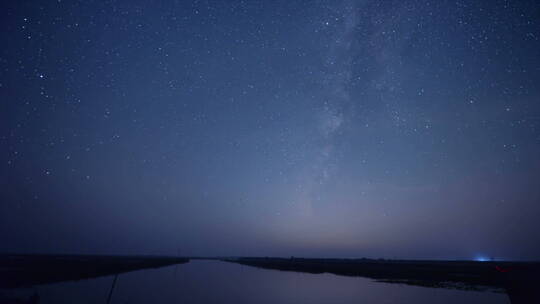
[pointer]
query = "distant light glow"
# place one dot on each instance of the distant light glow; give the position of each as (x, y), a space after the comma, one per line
(481, 258)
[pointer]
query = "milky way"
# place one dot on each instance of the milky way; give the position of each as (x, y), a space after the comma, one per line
(308, 128)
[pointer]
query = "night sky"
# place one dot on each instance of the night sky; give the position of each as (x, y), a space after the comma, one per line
(394, 129)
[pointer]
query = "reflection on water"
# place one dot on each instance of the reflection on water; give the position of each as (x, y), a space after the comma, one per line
(220, 282)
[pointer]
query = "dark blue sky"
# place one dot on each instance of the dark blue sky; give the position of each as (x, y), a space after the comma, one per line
(309, 128)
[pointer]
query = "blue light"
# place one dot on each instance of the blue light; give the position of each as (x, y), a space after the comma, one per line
(481, 259)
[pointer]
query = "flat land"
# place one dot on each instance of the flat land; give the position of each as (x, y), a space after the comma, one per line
(519, 279)
(17, 270)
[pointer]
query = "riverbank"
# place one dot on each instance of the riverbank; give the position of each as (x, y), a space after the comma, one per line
(518, 279)
(24, 270)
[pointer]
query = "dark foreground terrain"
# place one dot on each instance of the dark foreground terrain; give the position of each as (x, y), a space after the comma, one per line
(28, 270)
(520, 280)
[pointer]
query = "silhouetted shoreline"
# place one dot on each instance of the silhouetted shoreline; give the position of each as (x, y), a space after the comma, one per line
(25, 270)
(518, 279)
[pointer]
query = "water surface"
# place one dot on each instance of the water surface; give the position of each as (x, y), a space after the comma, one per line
(221, 282)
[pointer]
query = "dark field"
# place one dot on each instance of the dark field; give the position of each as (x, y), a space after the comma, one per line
(28, 270)
(518, 279)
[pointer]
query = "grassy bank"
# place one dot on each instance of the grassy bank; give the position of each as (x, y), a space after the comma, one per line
(28, 270)
(518, 279)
